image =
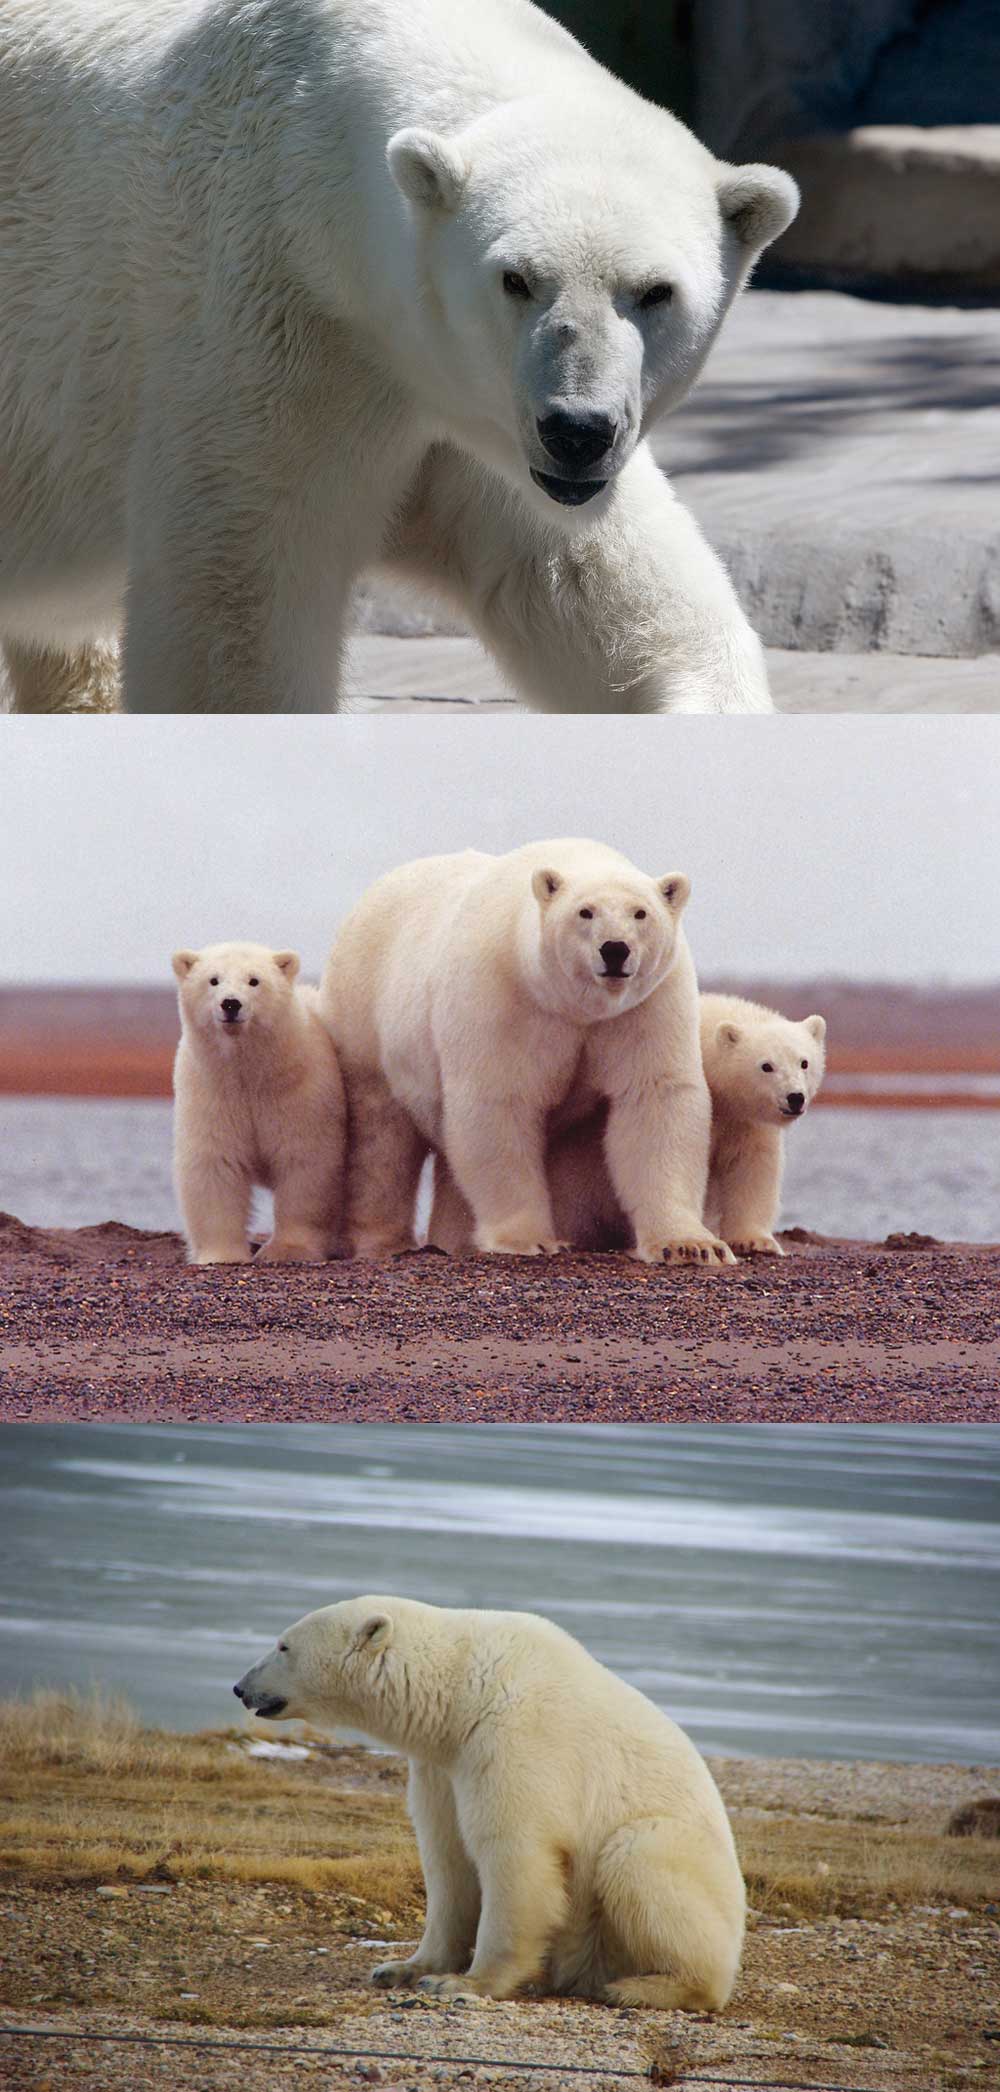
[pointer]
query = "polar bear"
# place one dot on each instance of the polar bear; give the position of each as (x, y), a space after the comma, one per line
(476, 1002)
(570, 1834)
(259, 1100)
(763, 1071)
(294, 288)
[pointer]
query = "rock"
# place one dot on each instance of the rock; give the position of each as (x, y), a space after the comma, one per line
(978, 1819)
(895, 205)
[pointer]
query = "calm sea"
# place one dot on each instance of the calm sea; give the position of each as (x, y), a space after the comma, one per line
(865, 1173)
(814, 1591)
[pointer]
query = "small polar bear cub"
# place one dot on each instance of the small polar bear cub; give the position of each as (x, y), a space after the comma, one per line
(763, 1071)
(571, 1836)
(258, 1100)
(475, 1000)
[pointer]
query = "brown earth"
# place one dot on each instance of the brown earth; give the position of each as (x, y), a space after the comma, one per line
(157, 1885)
(109, 1320)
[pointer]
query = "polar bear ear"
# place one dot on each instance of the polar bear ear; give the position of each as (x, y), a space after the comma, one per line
(758, 203)
(676, 891)
(728, 1035)
(287, 963)
(817, 1025)
(545, 884)
(182, 963)
(428, 169)
(375, 1634)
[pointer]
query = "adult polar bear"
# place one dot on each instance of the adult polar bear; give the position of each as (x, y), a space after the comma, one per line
(477, 1002)
(289, 288)
(570, 1833)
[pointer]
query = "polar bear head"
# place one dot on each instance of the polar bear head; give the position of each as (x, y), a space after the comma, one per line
(347, 1665)
(234, 991)
(603, 943)
(576, 259)
(765, 1067)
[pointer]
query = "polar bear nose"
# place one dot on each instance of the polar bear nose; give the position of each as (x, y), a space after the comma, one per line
(231, 1005)
(795, 1100)
(575, 440)
(614, 956)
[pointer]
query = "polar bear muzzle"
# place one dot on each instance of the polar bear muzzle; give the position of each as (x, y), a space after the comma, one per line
(572, 493)
(267, 1707)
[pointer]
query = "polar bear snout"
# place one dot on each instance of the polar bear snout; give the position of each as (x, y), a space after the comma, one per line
(231, 1008)
(794, 1104)
(616, 956)
(267, 1706)
(575, 441)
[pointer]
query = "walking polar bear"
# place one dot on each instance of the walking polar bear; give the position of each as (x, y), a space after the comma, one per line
(259, 1100)
(570, 1834)
(763, 1071)
(291, 288)
(477, 1003)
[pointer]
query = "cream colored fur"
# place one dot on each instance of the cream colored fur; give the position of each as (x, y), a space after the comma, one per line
(258, 1101)
(472, 1010)
(749, 1116)
(571, 1836)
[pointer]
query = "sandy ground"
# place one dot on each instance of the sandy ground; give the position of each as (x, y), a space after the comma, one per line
(109, 1321)
(866, 1998)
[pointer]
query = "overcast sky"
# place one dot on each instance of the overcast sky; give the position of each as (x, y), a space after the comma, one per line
(854, 846)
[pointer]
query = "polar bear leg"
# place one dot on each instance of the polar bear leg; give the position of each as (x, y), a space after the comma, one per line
(630, 613)
(524, 1906)
(747, 1193)
(46, 679)
(451, 1226)
(385, 1156)
(498, 1158)
(667, 1918)
(451, 1881)
(215, 1201)
(656, 1145)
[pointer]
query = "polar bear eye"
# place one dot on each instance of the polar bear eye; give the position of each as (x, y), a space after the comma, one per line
(214, 982)
(640, 915)
(514, 284)
(805, 1064)
(253, 982)
(283, 1648)
(767, 1067)
(587, 915)
(657, 294)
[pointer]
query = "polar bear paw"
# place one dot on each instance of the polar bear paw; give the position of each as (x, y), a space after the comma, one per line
(504, 1242)
(225, 1253)
(762, 1245)
(459, 1990)
(303, 1248)
(701, 1248)
(398, 1975)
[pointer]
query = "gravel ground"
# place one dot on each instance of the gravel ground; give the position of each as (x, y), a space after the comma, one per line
(108, 1321)
(898, 2002)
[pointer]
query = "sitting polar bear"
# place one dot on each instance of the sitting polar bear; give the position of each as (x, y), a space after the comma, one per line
(259, 1100)
(763, 1072)
(570, 1834)
(292, 288)
(477, 1001)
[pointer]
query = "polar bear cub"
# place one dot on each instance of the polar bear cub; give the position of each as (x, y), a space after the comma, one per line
(570, 1834)
(475, 1001)
(259, 1100)
(763, 1071)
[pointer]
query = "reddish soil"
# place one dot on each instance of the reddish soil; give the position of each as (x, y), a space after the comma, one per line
(109, 1321)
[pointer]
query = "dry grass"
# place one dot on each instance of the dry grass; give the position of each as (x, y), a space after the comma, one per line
(797, 1867)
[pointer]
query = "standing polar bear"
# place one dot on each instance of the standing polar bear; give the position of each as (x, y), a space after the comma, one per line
(259, 1100)
(763, 1071)
(291, 288)
(478, 1002)
(570, 1834)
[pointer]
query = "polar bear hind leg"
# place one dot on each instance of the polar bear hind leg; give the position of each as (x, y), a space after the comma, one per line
(663, 1922)
(49, 679)
(386, 1154)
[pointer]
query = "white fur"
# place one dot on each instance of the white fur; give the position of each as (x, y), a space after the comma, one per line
(258, 1101)
(571, 1836)
(254, 339)
(472, 1013)
(749, 1113)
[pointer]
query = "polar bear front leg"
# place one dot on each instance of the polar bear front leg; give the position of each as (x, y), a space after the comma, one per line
(746, 1192)
(524, 1907)
(215, 1201)
(451, 1881)
(629, 612)
(656, 1146)
(497, 1155)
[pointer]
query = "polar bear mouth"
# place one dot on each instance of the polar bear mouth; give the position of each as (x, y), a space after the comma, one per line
(268, 1709)
(571, 492)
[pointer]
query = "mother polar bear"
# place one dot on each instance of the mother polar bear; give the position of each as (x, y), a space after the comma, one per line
(570, 1833)
(292, 288)
(479, 1003)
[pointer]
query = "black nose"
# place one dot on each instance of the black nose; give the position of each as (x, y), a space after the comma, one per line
(795, 1100)
(232, 1005)
(237, 1690)
(614, 956)
(576, 440)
